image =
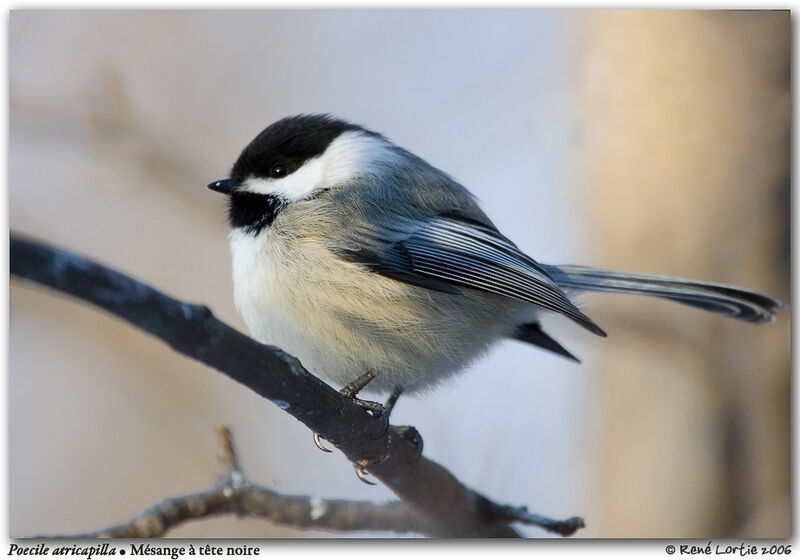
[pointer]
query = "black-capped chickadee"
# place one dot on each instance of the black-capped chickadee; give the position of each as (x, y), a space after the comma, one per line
(355, 255)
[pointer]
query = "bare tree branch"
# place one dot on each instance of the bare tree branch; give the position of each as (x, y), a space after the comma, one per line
(393, 455)
(233, 493)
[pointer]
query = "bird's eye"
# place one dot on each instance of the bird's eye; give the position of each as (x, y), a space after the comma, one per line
(278, 170)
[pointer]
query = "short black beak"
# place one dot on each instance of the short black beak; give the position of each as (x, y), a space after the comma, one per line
(224, 186)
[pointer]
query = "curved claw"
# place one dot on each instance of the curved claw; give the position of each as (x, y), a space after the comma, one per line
(318, 443)
(361, 473)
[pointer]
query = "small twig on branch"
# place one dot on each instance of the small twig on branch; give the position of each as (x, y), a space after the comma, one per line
(235, 494)
(227, 452)
(393, 455)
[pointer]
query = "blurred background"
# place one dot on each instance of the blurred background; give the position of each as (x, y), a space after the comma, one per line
(651, 141)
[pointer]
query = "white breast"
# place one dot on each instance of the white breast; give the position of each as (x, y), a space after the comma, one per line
(257, 287)
(270, 291)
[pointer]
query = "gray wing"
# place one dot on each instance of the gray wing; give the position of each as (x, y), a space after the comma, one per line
(448, 253)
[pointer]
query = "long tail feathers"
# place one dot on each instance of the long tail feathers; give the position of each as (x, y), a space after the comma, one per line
(718, 298)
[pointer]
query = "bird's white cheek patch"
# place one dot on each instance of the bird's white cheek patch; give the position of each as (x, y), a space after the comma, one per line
(351, 155)
(301, 184)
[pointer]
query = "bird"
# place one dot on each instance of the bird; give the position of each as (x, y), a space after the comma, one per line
(379, 271)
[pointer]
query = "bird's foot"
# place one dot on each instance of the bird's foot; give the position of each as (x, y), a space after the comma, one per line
(375, 409)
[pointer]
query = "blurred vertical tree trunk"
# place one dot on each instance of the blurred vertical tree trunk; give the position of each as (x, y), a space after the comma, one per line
(685, 137)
